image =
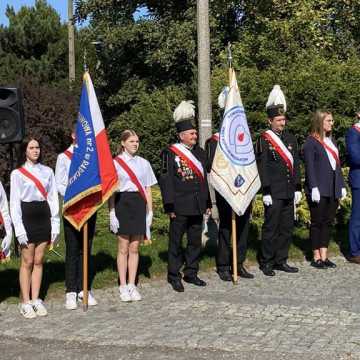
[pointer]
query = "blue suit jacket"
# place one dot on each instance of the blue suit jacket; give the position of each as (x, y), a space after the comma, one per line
(353, 155)
(318, 171)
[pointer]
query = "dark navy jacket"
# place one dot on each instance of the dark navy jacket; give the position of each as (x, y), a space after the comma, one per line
(353, 156)
(318, 171)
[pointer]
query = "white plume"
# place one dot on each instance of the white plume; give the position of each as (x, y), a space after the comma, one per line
(222, 97)
(184, 111)
(276, 97)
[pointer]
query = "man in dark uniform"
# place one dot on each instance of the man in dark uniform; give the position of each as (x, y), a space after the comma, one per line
(186, 198)
(223, 255)
(278, 165)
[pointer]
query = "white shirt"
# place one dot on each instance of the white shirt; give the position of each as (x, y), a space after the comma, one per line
(140, 167)
(62, 171)
(23, 189)
(4, 210)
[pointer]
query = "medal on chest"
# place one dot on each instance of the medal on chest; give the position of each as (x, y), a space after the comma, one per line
(183, 171)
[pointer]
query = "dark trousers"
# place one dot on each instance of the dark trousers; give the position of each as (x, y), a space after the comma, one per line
(223, 255)
(74, 255)
(322, 216)
(192, 226)
(354, 223)
(277, 231)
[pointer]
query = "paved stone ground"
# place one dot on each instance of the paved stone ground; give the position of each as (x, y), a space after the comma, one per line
(314, 314)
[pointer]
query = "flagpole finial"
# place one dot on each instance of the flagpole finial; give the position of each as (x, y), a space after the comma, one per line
(85, 64)
(229, 55)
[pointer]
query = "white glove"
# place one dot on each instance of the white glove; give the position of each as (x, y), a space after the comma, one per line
(267, 200)
(343, 193)
(114, 222)
(5, 244)
(23, 240)
(149, 218)
(54, 238)
(297, 197)
(315, 195)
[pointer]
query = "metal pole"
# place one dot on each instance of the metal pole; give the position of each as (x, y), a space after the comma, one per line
(71, 32)
(204, 91)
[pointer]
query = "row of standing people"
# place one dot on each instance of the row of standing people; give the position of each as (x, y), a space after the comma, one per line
(183, 183)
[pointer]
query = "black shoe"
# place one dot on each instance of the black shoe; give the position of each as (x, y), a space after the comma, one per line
(177, 285)
(287, 268)
(319, 264)
(225, 275)
(329, 264)
(243, 273)
(194, 280)
(267, 270)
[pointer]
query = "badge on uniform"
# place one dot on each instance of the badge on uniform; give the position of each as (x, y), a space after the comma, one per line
(239, 181)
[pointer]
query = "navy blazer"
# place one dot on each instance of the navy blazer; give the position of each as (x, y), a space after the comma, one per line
(353, 156)
(318, 171)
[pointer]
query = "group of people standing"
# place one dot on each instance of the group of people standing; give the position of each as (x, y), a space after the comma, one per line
(34, 205)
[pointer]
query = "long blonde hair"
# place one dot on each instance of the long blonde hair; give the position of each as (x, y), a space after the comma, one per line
(317, 124)
(123, 137)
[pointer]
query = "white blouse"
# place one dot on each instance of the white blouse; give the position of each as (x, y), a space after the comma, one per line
(62, 171)
(4, 210)
(141, 168)
(24, 189)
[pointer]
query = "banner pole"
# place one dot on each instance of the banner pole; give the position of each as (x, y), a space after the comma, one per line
(234, 247)
(85, 267)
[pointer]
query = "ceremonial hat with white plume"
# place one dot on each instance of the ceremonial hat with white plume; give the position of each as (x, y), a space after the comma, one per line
(184, 116)
(276, 104)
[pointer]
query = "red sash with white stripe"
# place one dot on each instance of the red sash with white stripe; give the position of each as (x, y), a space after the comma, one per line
(356, 127)
(35, 180)
(280, 148)
(333, 152)
(132, 177)
(69, 154)
(192, 162)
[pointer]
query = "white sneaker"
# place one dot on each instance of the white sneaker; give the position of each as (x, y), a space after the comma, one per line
(134, 293)
(124, 293)
(27, 310)
(91, 300)
(70, 303)
(39, 307)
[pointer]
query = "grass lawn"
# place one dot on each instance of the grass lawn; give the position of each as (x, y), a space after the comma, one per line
(152, 260)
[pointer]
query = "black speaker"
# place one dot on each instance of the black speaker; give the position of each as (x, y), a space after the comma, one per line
(12, 125)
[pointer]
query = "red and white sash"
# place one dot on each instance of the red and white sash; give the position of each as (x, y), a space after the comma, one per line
(35, 180)
(357, 127)
(192, 162)
(68, 153)
(280, 148)
(132, 177)
(331, 151)
(215, 136)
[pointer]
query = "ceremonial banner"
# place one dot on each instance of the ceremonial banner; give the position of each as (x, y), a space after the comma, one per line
(234, 172)
(92, 175)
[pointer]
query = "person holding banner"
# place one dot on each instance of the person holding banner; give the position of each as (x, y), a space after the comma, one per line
(34, 207)
(131, 211)
(223, 254)
(279, 169)
(186, 197)
(353, 155)
(73, 237)
(324, 184)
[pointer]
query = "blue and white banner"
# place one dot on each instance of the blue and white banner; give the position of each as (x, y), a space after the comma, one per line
(234, 173)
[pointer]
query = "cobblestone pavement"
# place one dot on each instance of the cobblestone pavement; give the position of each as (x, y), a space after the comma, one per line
(314, 314)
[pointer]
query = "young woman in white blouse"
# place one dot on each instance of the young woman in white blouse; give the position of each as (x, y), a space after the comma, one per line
(131, 211)
(34, 208)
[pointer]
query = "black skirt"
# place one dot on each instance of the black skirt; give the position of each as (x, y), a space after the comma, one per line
(130, 210)
(36, 219)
